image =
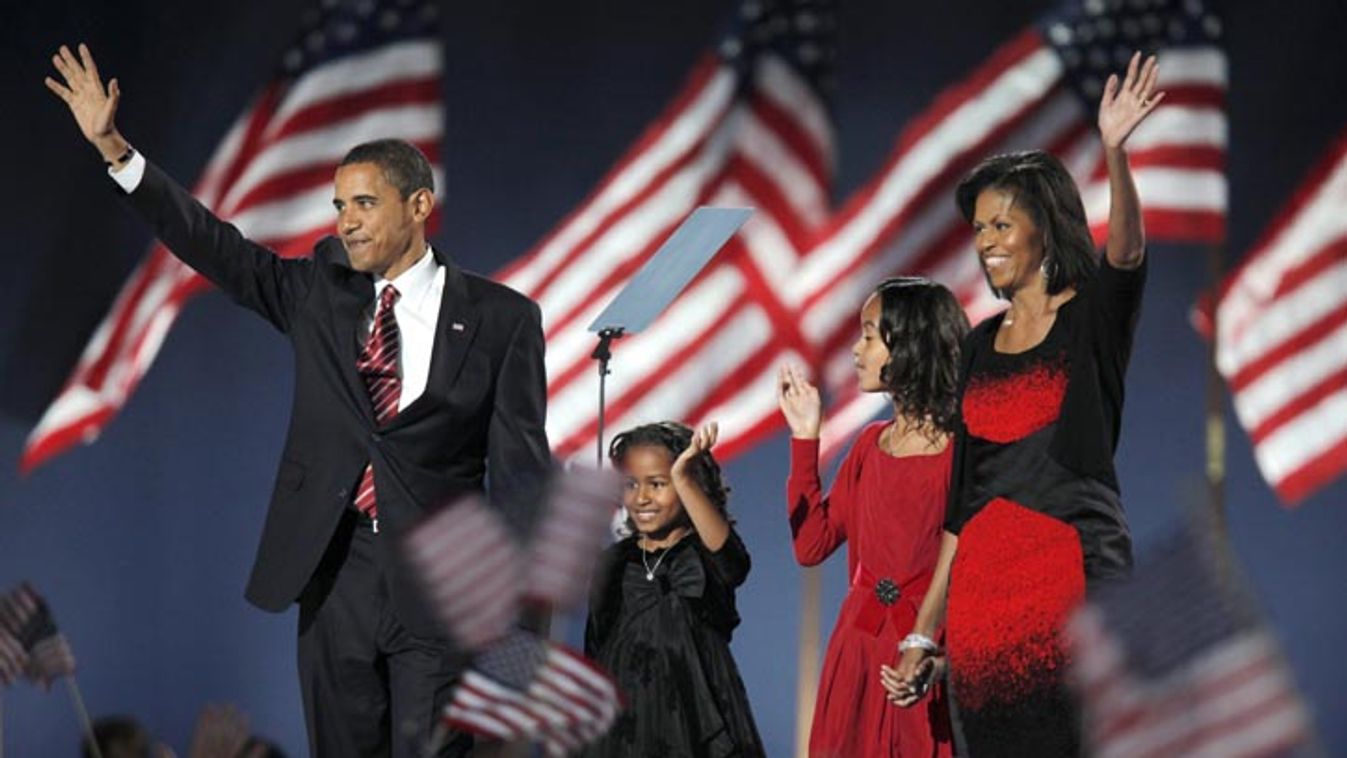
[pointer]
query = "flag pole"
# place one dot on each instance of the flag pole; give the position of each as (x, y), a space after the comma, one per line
(1215, 401)
(87, 725)
(806, 686)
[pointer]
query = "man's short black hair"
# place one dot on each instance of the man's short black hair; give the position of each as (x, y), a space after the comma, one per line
(404, 166)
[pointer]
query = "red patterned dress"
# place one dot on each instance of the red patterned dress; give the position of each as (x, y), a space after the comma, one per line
(1035, 532)
(889, 510)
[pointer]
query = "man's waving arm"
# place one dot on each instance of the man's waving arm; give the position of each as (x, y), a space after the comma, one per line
(249, 273)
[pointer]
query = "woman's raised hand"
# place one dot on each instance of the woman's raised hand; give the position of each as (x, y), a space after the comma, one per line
(799, 401)
(1127, 103)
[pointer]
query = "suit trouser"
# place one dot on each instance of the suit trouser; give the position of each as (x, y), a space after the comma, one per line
(370, 687)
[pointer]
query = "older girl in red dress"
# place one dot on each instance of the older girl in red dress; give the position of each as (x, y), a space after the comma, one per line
(888, 504)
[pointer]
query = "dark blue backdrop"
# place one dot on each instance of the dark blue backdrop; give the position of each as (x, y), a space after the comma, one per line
(143, 540)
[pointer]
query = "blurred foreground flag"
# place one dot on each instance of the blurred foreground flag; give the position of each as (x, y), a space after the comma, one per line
(569, 534)
(1039, 90)
(527, 688)
(358, 70)
(470, 569)
(1176, 662)
(478, 575)
(1281, 336)
(26, 619)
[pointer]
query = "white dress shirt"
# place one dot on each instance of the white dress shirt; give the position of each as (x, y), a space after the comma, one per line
(420, 288)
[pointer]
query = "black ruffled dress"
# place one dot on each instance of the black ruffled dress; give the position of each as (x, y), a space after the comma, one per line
(666, 640)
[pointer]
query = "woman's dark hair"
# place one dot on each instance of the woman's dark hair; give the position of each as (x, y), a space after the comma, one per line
(922, 325)
(675, 438)
(1042, 187)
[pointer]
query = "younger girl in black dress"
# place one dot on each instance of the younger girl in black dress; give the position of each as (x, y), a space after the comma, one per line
(662, 607)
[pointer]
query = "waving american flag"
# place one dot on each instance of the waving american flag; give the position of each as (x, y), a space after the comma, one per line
(358, 70)
(749, 128)
(1177, 662)
(1039, 90)
(1281, 336)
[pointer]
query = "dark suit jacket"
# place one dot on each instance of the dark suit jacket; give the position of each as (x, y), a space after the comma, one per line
(481, 415)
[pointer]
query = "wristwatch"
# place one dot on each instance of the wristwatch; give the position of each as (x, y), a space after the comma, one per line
(123, 158)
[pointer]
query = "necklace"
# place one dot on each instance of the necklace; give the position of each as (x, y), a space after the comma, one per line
(650, 570)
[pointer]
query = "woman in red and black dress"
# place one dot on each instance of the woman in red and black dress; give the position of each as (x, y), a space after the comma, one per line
(1034, 504)
(887, 503)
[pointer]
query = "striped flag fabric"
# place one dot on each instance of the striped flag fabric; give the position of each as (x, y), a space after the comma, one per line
(569, 535)
(477, 574)
(749, 128)
(358, 70)
(26, 620)
(1176, 662)
(1039, 90)
(1281, 336)
(471, 569)
(527, 688)
(478, 577)
(13, 658)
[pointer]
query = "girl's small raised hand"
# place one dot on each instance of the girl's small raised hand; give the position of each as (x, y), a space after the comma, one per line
(800, 403)
(703, 439)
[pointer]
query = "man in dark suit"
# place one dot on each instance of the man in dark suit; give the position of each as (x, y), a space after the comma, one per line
(415, 382)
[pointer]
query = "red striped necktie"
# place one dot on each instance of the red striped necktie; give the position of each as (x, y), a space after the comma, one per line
(378, 366)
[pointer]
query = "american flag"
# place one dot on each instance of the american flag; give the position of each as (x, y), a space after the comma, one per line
(1039, 90)
(749, 128)
(477, 573)
(571, 531)
(471, 568)
(26, 619)
(1281, 336)
(1176, 662)
(13, 658)
(358, 70)
(526, 688)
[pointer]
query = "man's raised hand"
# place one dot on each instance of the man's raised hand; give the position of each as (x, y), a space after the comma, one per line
(93, 106)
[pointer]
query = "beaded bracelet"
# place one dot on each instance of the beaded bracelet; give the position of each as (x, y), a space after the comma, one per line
(918, 640)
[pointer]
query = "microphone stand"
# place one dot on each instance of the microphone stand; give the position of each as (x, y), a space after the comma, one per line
(602, 353)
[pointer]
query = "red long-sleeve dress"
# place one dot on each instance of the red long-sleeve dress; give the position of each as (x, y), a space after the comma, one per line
(889, 510)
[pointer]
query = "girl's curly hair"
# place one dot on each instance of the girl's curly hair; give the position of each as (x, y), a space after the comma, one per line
(923, 326)
(675, 438)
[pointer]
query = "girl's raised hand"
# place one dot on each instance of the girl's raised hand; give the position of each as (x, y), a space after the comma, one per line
(703, 439)
(800, 403)
(1125, 105)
